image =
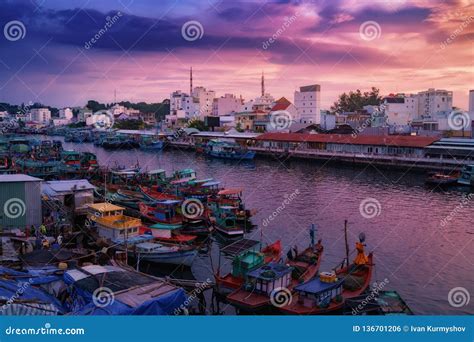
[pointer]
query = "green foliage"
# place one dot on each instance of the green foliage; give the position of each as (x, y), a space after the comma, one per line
(356, 100)
(198, 124)
(130, 124)
(95, 106)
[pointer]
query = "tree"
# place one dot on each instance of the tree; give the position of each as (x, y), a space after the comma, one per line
(95, 106)
(198, 124)
(356, 100)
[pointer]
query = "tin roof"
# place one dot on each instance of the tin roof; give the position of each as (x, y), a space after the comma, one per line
(105, 207)
(386, 140)
(18, 178)
(52, 188)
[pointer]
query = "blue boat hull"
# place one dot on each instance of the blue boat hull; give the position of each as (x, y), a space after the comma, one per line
(235, 156)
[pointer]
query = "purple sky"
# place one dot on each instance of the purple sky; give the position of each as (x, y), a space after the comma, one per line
(408, 46)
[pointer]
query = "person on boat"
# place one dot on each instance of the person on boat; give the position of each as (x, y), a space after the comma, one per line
(361, 258)
(42, 229)
(60, 239)
(292, 253)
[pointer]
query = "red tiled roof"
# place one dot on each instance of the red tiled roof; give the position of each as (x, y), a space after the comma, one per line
(387, 140)
(281, 104)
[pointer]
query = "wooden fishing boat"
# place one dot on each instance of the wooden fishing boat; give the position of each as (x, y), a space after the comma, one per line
(264, 283)
(162, 212)
(164, 253)
(152, 194)
(440, 179)
(168, 233)
(224, 222)
(246, 257)
(328, 292)
(156, 145)
(228, 150)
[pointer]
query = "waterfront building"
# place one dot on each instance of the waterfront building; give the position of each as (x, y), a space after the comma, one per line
(65, 113)
(308, 104)
(328, 120)
(117, 110)
(40, 115)
(225, 105)
(249, 121)
(400, 109)
(83, 114)
(74, 195)
(20, 198)
(377, 145)
(60, 122)
(203, 100)
(471, 101)
(452, 148)
(434, 101)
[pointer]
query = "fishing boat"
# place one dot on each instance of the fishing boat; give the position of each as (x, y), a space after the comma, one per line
(225, 222)
(162, 212)
(265, 284)
(154, 145)
(247, 256)
(467, 175)
(228, 150)
(440, 179)
(71, 160)
(40, 169)
(328, 292)
(232, 198)
(171, 233)
(163, 253)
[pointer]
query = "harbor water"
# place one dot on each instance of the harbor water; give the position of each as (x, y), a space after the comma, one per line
(422, 238)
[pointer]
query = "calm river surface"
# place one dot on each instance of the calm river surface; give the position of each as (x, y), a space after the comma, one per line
(421, 259)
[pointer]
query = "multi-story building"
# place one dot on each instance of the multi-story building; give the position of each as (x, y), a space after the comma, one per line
(471, 101)
(226, 104)
(41, 115)
(400, 109)
(65, 113)
(308, 104)
(83, 114)
(204, 99)
(434, 101)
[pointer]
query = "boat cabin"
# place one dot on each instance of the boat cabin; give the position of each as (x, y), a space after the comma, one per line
(165, 231)
(319, 292)
(270, 276)
(156, 176)
(105, 209)
(117, 227)
(185, 173)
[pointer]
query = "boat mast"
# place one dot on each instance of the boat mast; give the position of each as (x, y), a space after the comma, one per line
(347, 245)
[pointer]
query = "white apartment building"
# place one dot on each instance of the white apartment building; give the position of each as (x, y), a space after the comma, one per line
(226, 105)
(434, 101)
(204, 99)
(308, 104)
(117, 109)
(65, 113)
(261, 103)
(42, 115)
(401, 109)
